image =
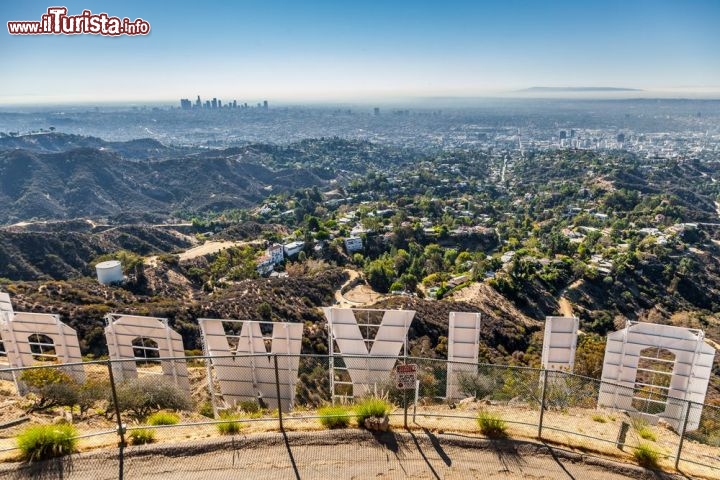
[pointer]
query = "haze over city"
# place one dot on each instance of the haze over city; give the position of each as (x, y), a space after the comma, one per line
(369, 51)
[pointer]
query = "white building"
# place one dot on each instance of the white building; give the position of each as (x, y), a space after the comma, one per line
(293, 248)
(275, 252)
(264, 265)
(353, 244)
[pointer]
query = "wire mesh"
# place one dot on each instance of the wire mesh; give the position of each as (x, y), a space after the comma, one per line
(701, 441)
(226, 402)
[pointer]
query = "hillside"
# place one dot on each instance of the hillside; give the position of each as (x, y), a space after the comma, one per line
(65, 250)
(93, 183)
(56, 176)
(53, 142)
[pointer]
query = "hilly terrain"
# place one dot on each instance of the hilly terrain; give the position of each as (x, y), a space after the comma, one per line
(57, 176)
(55, 142)
(93, 183)
(607, 236)
(66, 249)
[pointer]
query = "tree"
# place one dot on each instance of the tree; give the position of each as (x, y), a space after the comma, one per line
(313, 223)
(589, 355)
(401, 261)
(379, 276)
(265, 311)
(409, 281)
(358, 258)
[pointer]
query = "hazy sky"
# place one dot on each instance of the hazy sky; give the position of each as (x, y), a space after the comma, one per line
(310, 50)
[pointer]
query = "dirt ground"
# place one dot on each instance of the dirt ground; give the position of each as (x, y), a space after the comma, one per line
(351, 454)
(207, 248)
(362, 295)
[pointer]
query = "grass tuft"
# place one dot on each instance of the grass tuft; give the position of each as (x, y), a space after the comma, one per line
(643, 429)
(40, 442)
(371, 407)
(491, 425)
(230, 426)
(141, 437)
(647, 434)
(646, 456)
(599, 418)
(334, 416)
(163, 418)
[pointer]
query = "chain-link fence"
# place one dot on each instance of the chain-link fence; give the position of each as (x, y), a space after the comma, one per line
(122, 411)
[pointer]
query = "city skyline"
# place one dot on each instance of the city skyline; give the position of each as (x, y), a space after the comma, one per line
(371, 52)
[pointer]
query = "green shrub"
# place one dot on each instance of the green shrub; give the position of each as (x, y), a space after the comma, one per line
(476, 384)
(206, 410)
(142, 396)
(230, 426)
(334, 416)
(249, 407)
(40, 442)
(142, 436)
(491, 425)
(91, 392)
(646, 456)
(520, 384)
(52, 387)
(163, 418)
(371, 407)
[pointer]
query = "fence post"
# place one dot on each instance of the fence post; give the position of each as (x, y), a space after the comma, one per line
(121, 427)
(682, 434)
(113, 392)
(542, 404)
(277, 391)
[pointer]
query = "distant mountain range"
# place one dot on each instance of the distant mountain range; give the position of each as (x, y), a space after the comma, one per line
(60, 142)
(578, 89)
(57, 176)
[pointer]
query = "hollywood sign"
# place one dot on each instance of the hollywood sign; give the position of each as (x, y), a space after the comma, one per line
(252, 360)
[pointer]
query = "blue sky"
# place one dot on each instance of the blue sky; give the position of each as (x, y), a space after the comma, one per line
(318, 50)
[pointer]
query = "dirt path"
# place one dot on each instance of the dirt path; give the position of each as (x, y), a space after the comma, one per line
(565, 307)
(564, 304)
(339, 299)
(340, 455)
(468, 294)
(357, 296)
(206, 249)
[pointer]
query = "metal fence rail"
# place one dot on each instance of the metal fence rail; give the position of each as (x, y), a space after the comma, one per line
(275, 392)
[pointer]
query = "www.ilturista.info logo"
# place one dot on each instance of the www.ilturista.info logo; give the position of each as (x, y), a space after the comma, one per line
(57, 22)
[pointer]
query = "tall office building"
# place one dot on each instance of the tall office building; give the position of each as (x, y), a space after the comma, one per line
(214, 102)
(198, 103)
(185, 104)
(265, 105)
